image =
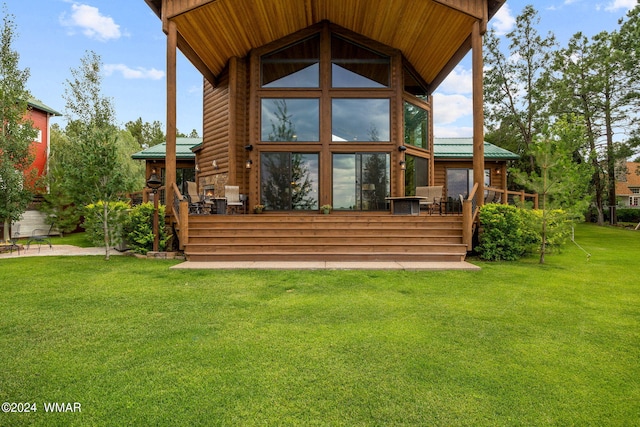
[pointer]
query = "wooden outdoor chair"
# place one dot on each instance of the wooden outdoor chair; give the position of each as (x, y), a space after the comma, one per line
(195, 201)
(232, 194)
(432, 197)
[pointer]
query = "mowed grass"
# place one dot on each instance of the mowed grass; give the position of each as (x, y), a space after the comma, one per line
(513, 344)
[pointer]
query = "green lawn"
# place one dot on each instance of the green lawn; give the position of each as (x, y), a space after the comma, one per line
(513, 344)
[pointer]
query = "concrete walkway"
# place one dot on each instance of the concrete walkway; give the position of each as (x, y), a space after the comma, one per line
(326, 265)
(56, 250)
(68, 250)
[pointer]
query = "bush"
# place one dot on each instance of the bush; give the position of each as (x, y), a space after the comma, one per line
(94, 222)
(628, 215)
(507, 233)
(139, 228)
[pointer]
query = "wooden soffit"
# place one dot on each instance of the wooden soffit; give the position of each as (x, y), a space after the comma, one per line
(432, 34)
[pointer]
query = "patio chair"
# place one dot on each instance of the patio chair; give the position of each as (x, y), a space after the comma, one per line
(195, 201)
(432, 197)
(40, 236)
(232, 194)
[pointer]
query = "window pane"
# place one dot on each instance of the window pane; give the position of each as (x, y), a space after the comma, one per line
(416, 174)
(355, 66)
(289, 181)
(360, 181)
(304, 181)
(290, 119)
(416, 126)
(293, 66)
(358, 120)
(275, 181)
(413, 86)
(457, 183)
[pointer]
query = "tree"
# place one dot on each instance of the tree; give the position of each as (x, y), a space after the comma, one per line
(560, 182)
(146, 134)
(588, 77)
(95, 170)
(515, 93)
(17, 132)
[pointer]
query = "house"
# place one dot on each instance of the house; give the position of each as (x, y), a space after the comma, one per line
(453, 165)
(320, 102)
(155, 159)
(40, 114)
(628, 186)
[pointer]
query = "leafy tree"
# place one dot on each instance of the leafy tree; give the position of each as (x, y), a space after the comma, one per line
(146, 134)
(94, 164)
(560, 182)
(590, 79)
(17, 132)
(514, 88)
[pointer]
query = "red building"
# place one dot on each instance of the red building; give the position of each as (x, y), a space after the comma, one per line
(40, 114)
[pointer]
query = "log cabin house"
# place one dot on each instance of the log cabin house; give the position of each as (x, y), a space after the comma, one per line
(322, 102)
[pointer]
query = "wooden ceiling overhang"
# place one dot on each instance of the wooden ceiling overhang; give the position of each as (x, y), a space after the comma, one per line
(434, 35)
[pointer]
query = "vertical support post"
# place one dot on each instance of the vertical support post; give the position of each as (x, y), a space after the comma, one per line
(155, 221)
(467, 223)
(478, 113)
(170, 166)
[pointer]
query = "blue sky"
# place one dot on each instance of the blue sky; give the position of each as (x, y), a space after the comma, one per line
(53, 35)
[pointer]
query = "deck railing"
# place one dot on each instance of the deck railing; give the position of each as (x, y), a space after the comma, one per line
(511, 196)
(469, 214)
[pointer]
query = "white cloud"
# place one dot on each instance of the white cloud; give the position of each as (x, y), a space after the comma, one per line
(503, 21)
(449, 108)
(621, 4)
(91, 22)
(131, 73)
(459, 81)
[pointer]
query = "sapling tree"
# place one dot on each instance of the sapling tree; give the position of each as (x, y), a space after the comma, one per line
(95, 170)
(561, 183)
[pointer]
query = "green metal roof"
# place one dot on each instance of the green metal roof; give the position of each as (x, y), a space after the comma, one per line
(183, 150)
(462, 148)
(444, 148)
(34, 103)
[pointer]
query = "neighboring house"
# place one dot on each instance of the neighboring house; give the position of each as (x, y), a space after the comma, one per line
(155, 157)
(628, 186)
(454, 165)
(320, 102)
(40, 114)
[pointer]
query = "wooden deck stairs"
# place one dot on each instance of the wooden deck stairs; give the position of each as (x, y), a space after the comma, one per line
(335, 237)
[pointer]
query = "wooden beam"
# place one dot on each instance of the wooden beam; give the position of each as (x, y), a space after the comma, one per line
(478, 112)
(170, 178)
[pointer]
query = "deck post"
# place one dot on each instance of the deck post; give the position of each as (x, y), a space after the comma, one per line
(170, 163)
(184, 224)
(478, 112)
(467, 223)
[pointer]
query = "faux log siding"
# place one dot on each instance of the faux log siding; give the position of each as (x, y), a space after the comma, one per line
(239, 100)
(215, 128)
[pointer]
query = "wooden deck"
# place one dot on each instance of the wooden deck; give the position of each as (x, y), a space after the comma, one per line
(335, 237)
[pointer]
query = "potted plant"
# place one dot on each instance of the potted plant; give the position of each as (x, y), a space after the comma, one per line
(258, 209)
(325, 209)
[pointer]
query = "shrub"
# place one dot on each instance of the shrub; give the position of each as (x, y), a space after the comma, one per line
(507, 234)
(94, 222)
(139, 228)
(628, 215)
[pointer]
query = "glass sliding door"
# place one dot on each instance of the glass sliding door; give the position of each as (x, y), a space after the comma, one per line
(361, 181)
(289, 181)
